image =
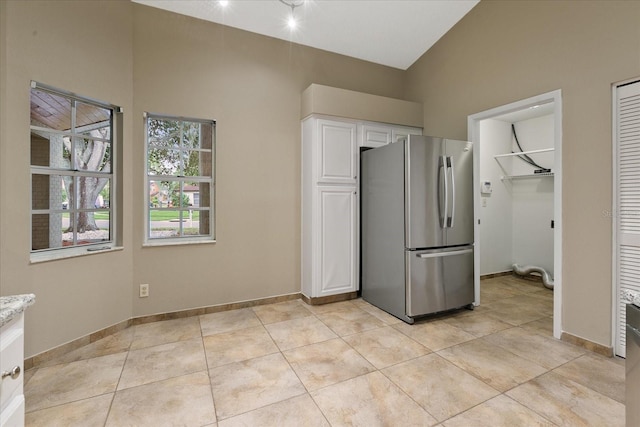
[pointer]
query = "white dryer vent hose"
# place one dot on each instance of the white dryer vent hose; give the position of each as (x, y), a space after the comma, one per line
(525, 270)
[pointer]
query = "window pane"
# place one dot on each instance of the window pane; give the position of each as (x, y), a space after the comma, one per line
(92, 155)
(206, 163)
(163, 132)
(164, 194)
(47, 229)
(191, 223)
(192, 163)
(50, 150)
(164, 223)
(88, 191)
(57, 230)
(89, 115)
(101, 132)
(48, 192)
(206, 136)
(163, 161)
(89, 227)
(190, 135)
(197, 193)
(103, 200)
(201, 222)
(50, 110)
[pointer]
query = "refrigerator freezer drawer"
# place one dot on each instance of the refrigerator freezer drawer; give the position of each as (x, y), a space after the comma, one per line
(438, 280)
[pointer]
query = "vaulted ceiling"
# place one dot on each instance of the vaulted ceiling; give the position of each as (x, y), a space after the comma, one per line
(388, 32)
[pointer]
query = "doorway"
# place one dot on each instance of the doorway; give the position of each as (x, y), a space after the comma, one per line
(546, 108)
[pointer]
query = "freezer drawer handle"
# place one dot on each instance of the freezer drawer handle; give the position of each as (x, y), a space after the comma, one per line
(441, 254)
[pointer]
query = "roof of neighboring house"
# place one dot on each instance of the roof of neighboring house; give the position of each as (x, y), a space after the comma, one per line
(191, 189)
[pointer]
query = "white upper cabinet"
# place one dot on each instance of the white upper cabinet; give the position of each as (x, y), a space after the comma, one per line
(378, 134)
(374, 136)
(338, 152)
(398, 132)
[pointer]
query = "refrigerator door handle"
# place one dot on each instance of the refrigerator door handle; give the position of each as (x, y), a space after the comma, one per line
(443, 254)
(453, 192)
(442, 177)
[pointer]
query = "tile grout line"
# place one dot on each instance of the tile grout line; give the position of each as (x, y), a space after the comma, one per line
(206, 361)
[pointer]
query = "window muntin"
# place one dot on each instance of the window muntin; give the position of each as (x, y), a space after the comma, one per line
(72, 151)
(180, 156)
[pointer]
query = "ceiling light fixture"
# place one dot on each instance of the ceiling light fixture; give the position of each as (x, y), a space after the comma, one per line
(223, 3)
(292, 23)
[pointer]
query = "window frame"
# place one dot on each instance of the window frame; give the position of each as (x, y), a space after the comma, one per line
(114, 241)
(148, 178)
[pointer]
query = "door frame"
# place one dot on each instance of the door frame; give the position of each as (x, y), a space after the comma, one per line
(473, 134)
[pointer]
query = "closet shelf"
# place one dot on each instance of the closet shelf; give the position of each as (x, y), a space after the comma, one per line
(531, 175)
(544, 150)
(523, 176)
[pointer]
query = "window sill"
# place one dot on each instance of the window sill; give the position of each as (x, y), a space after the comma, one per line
(154, 244)
(38, 258)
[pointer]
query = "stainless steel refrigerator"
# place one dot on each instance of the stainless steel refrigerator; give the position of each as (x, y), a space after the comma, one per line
(417, 226)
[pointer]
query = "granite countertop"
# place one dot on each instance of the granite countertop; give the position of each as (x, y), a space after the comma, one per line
(11, 306)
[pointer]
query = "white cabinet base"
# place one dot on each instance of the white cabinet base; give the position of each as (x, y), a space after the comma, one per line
(337, 240)
(12, 360)
(13, 414)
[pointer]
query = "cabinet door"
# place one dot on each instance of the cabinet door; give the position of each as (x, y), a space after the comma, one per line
(338, 240)
(11, 357)
(399, 132)
(375, 136)
(338, 152)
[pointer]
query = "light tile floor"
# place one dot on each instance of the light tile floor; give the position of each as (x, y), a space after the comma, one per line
(348, 363)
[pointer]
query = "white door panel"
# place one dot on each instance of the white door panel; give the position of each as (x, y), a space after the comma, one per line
(627, 202)
(338, 240)
(338, 151)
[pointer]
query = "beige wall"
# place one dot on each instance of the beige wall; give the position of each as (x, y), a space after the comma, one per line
(250, 84)
(84, 48)
(502, 52)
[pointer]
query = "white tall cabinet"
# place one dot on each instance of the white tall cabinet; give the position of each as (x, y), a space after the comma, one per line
(330, 207)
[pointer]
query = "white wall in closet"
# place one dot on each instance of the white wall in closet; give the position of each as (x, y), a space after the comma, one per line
(495, 219)
(532, 198)
(516, 216)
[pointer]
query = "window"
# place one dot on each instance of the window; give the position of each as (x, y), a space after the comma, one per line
(180, 157)
(72, 172)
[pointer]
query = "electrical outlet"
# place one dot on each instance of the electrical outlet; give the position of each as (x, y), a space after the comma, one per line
(144, 290)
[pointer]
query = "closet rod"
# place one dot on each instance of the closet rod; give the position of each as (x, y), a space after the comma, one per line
(544, 150)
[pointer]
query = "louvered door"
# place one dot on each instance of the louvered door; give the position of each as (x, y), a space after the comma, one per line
(627, 199)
